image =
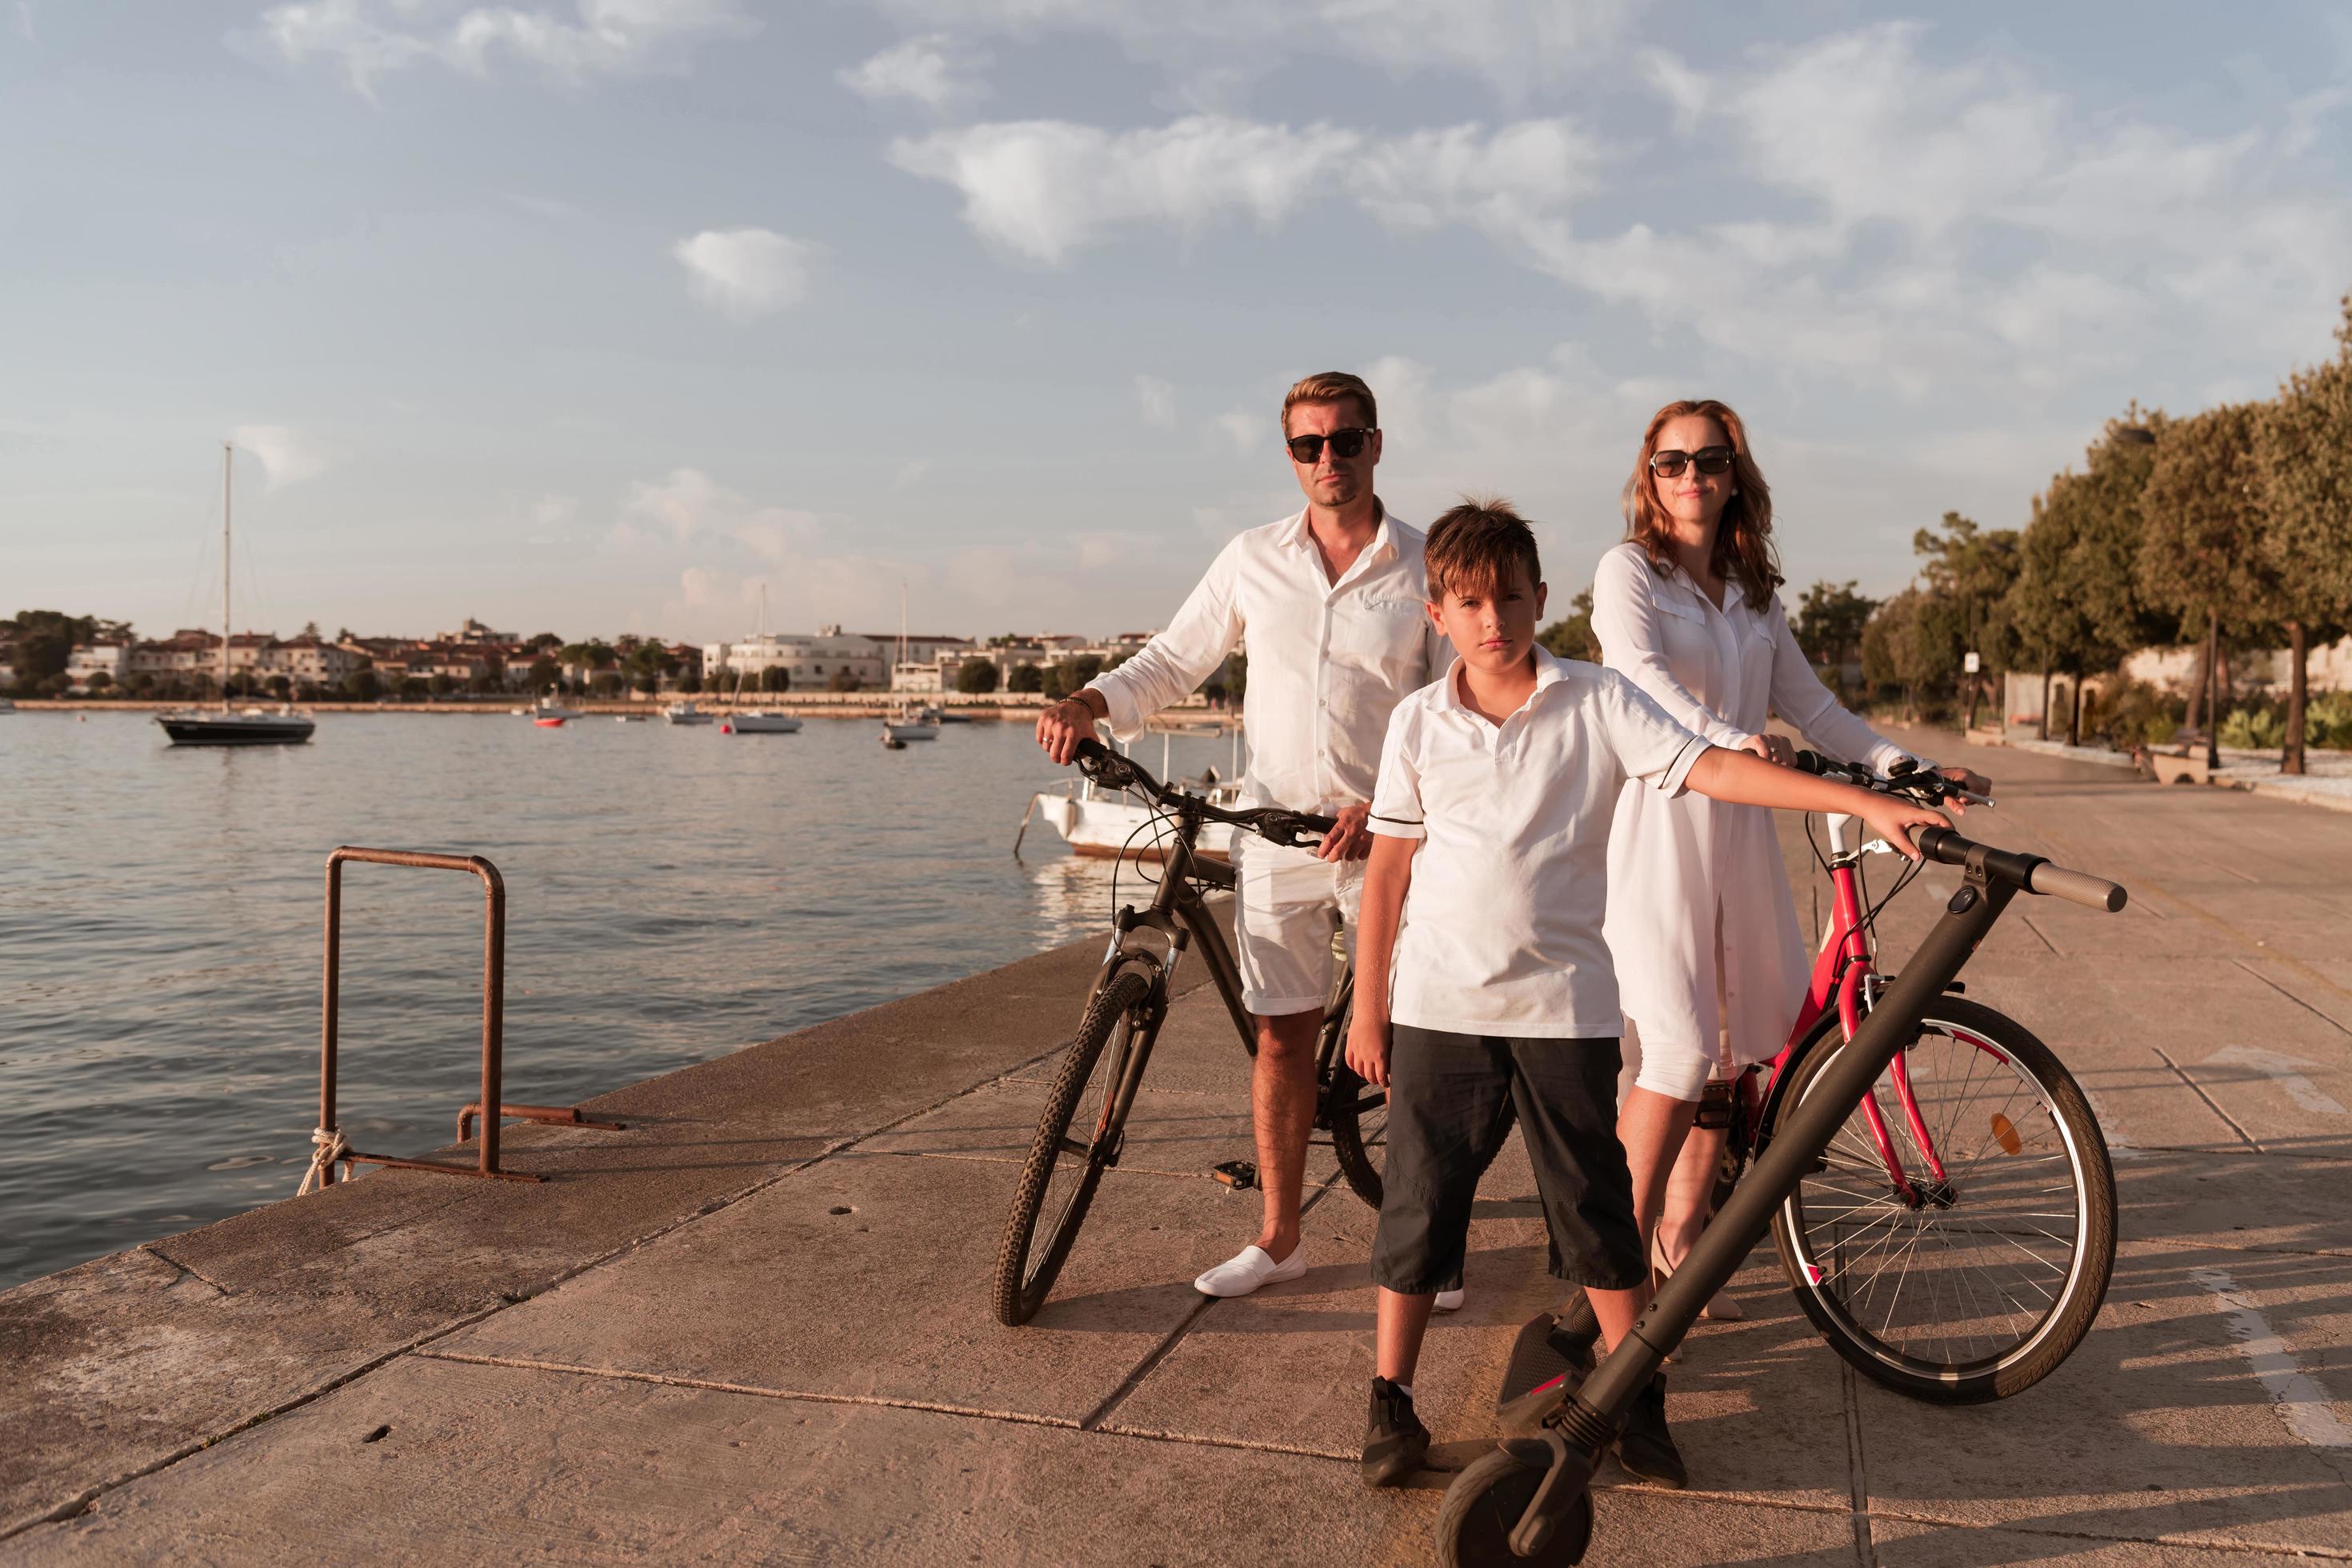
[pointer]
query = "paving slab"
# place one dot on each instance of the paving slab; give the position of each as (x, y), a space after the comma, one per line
(2156, 1428)
(888, 1299)
(1167, 1134)
(497, 1464)
(2236, 1200)
(1912, 1543)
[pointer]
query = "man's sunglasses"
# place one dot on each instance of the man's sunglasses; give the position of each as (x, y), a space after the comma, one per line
(1669, 463)
(1345, 444)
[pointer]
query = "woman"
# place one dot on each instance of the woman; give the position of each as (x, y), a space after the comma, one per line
(1710, 963)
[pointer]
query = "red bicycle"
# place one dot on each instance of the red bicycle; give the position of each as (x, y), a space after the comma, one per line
(1955, 1239)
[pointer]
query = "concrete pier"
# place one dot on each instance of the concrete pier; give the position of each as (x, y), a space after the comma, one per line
(755, 1328)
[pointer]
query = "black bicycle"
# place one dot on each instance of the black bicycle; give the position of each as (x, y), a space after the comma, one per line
(1104, 1066)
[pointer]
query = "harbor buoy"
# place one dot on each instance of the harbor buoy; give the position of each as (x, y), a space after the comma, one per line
(726, 729)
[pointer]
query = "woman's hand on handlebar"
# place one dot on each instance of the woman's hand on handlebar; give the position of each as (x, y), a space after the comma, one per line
(1349, 839)
(1772, 749)
(1063, 725)
(1974, 782)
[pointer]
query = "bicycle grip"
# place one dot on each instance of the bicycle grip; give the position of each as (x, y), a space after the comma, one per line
(2076, 887)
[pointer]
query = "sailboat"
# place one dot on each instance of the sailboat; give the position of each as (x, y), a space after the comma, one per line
(907, 721)
(255, 726)
(759, 721)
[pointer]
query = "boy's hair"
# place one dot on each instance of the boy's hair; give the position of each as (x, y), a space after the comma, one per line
(1472, 546)
(1330, 386)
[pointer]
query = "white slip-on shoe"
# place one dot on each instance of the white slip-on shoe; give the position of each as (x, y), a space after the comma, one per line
(1247, 1269)
(1447, 1302)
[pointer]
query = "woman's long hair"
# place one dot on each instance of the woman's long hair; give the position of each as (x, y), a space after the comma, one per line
(1743, 534)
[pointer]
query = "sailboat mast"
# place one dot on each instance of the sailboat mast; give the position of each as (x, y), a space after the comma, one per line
(228, 452)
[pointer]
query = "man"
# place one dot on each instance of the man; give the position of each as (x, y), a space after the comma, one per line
(1330, 601)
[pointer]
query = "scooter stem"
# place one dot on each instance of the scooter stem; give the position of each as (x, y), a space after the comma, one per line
(1807, 1130)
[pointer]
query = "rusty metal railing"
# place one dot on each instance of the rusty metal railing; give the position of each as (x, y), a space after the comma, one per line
(330, 1146)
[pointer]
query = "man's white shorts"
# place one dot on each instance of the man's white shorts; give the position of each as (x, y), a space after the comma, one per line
(1287, 906)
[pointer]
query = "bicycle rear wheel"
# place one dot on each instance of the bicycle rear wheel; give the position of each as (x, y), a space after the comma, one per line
(1979, 1286)
(1058, 1182)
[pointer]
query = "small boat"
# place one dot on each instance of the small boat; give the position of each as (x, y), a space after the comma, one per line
(549, 707)
(688, 713)
(909, 725)
(891, 743)
(6, 706)
(757, 722)
(1102, 822)
(255, 726)
(551, 721)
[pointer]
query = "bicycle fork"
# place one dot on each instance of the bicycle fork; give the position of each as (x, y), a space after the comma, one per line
(1575, 1440)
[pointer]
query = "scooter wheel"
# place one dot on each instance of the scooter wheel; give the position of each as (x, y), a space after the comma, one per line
(1483, 1507)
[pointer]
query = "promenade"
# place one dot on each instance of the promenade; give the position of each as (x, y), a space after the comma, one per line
(754, 1328)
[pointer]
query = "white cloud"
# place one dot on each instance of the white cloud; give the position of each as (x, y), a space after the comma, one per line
(1158, 400)
(368, 38)
(935, 70)
(1516, 45)
(287, 457)
(1243, 429)
(744, 272)
(910, 474)
(1042, 188)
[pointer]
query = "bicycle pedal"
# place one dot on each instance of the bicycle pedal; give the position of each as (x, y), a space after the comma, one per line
(1239, 1174)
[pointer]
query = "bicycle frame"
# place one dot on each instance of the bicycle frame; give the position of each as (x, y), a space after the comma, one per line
(1841, 979)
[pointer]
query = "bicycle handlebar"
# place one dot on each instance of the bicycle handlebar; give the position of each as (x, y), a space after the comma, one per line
(2031, 872)
(1276, 824)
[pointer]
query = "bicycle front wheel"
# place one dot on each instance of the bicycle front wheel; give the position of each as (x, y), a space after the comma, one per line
(1975, 1285)
(1057, 1184)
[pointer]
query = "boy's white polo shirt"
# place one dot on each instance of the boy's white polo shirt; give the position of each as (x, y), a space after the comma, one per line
(1501, 933)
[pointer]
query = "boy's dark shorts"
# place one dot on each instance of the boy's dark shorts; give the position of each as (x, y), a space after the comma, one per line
(1449, 1099)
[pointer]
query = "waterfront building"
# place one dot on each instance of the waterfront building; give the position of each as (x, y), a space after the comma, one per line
(813, 662)
(90, 659)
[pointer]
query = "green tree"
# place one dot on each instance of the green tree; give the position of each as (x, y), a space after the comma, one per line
(412, 687)
(1571, 636)
(843, 679)
(2200, 555)
(544, 673)
(776, 678)
(1025, 676)
(606, 684)
(441, 684)
(310, 630)
(2075, 608)
(99, 683)
(1972, 569)
(1912, 643)
(364, 685)
(2303, 443)
(976, 675)
(1829, 622)
(279, 687)
(690, 683)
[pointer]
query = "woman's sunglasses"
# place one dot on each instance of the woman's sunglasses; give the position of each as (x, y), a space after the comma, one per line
(1669, 463)
(1345, 444)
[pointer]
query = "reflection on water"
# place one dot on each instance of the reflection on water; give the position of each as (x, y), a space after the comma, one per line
(675, 894)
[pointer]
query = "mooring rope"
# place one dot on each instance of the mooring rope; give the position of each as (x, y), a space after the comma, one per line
(326, 1147)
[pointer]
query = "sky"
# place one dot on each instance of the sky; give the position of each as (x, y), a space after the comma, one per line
(602, 316)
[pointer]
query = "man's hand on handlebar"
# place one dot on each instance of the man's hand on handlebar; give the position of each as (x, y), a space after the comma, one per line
(1349, 839)
(1064, 725)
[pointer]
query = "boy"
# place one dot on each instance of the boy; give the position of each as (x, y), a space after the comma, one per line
(1487, 885)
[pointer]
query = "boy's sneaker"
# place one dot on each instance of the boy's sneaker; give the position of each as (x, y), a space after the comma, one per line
(1645, 1447)
(1394, 1441)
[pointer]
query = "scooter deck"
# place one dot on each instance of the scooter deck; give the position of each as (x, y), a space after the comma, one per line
(1548, 1362)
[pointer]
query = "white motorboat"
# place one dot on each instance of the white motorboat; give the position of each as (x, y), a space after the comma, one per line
(910, 725)
(255, 726)
(1095, 821)
(756, 722)
(688, 713)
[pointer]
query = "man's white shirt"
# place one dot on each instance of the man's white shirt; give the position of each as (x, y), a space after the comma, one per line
(1501, 933)
(1328, 661)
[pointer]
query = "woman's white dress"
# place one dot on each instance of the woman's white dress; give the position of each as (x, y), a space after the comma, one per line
(1675, 863)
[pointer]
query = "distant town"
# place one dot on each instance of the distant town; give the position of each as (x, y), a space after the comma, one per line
(46, 653)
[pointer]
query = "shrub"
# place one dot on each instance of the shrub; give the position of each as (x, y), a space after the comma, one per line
(2254, 729)
(2131, 712)
(2327, 721)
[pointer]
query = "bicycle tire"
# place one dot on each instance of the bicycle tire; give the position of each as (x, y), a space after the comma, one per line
(2051, 1111)
(1022, 1285)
